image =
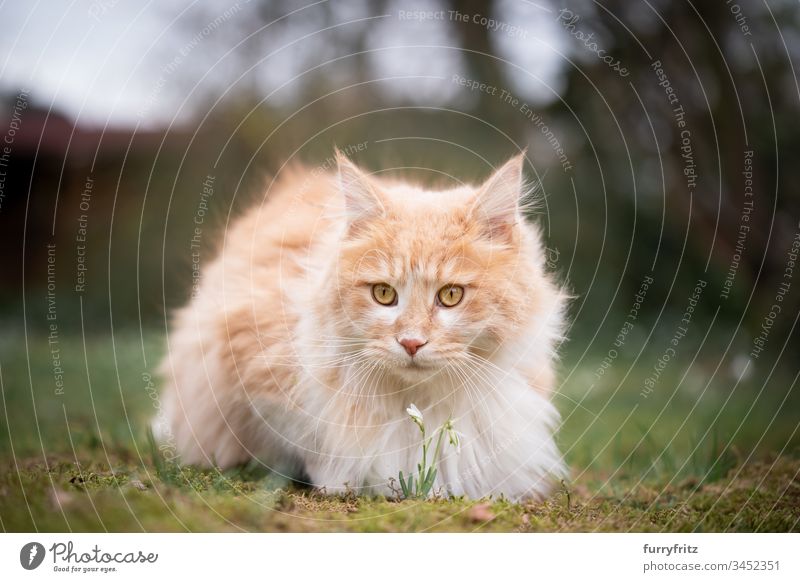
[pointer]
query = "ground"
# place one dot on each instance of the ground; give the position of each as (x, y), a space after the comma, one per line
(700, 453)
(127, 496)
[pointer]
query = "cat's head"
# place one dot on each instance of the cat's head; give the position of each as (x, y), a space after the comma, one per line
(426, 279)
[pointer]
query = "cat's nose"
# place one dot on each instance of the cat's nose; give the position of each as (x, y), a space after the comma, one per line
(412, 344)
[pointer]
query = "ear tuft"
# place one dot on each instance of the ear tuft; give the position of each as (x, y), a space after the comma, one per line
(361, 195)
(497, 202)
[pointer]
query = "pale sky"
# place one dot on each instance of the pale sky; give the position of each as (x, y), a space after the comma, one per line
(108, 61)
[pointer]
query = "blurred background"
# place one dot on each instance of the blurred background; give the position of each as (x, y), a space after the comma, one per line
(664, 134)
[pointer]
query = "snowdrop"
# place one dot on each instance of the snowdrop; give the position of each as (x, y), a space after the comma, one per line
(415, 415)
(426, 474)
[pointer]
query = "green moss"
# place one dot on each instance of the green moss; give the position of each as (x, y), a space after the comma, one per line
(68, 496)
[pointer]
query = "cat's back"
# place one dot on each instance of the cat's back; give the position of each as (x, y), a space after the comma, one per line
(242, 312)
(295, 210)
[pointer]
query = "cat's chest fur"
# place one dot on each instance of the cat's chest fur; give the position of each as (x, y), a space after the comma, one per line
(346, 441)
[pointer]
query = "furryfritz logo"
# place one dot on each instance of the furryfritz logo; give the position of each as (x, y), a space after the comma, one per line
(31, 555)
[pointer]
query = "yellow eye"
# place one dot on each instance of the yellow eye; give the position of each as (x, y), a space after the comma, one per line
(384, 294)
(451, 295)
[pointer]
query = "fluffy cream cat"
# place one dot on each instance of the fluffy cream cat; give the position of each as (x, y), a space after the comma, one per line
(343, 299)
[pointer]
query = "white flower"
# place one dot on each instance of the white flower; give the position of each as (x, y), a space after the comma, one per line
(414, 413)
(453, 436)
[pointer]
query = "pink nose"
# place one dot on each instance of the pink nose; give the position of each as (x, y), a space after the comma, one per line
(412, 345)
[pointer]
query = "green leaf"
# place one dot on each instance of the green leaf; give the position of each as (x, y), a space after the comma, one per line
(403, 485)
(431, 478)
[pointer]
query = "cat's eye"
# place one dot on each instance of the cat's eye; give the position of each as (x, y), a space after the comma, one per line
(384, 294)
(450, 295)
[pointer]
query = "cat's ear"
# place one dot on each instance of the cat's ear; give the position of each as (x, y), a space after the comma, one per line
(497, 203)
(361, 196)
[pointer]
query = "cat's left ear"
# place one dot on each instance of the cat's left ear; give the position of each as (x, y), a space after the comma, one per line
(362, 199)
(497, 202)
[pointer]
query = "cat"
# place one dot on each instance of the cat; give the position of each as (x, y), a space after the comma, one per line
(346, 297)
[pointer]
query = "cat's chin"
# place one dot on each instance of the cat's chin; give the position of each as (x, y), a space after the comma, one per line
(416, 370)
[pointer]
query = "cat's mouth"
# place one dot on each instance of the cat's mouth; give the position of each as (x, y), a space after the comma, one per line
(419, 368)
(416, 364)
(412, 365)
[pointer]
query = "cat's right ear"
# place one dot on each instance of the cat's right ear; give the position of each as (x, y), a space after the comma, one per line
(362, 199)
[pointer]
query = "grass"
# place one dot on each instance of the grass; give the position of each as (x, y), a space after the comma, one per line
(702, 453)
